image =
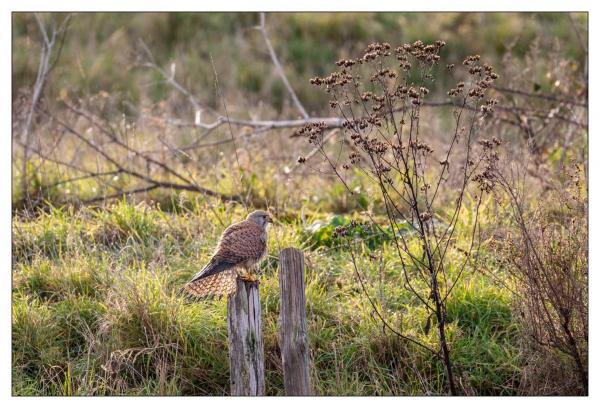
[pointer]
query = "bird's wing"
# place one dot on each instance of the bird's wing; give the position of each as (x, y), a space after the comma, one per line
(213, 266)
(241, 242)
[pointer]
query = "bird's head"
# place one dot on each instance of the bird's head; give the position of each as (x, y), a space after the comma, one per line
(260, 217)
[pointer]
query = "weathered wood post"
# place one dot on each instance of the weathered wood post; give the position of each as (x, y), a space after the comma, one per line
(246, 351)
(293, 333)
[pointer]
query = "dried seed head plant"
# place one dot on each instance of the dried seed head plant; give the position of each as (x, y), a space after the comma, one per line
(380, 96)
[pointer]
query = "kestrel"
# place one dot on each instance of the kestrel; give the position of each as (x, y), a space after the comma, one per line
(241, 248)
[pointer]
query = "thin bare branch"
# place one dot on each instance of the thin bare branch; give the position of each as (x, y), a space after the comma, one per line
(263, 30)
(169, 78)
(316, 150)
(44, 67)
(539, 96)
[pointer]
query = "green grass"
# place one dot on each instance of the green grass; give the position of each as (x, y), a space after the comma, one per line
(95, 311)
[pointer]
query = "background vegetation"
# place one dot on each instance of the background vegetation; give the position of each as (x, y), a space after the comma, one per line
(95, 280)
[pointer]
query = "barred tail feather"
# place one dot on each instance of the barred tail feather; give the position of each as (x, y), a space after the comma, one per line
(217, 278)
(219, 284)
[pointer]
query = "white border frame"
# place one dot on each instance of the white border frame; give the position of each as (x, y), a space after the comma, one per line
(8, 6)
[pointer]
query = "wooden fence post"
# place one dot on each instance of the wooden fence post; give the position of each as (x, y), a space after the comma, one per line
(246, 351)
(292, 323)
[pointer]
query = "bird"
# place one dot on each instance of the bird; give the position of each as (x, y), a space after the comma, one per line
(240, 249)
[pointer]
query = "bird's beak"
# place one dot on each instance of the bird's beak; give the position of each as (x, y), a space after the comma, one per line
(269, 218)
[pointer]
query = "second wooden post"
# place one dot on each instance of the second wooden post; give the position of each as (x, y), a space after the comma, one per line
(293, 333)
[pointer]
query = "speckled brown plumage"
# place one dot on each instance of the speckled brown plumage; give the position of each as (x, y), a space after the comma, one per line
(241, 247)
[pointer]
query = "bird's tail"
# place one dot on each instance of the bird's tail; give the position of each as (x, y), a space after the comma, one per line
(219, 284)
(216, 279)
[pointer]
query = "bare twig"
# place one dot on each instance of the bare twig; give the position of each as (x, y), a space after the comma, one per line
(44, 67)
(263, 30)
(315, 150)
(539, 96)
(170, 79)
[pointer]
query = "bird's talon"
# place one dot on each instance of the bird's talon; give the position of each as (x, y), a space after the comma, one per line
(250, 278)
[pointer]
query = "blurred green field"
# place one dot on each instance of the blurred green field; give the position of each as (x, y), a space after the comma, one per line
(97, 55)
